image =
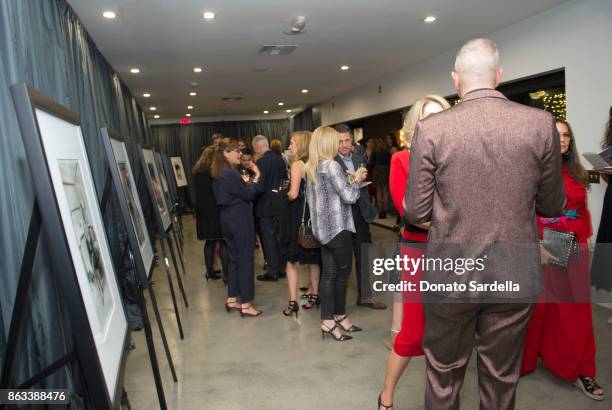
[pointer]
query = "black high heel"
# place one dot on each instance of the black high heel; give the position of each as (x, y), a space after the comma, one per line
(351, 329)
(292, 308)
(211, 276)
(380, 404)
(313, 301)
(329, 331)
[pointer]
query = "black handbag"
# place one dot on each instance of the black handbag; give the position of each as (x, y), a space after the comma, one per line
(306, 238)
(560, 244)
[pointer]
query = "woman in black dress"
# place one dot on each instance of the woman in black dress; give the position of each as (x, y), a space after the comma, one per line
(298, 209)
(207, 215)
(234, 197)
(381, 162)
(601, 270)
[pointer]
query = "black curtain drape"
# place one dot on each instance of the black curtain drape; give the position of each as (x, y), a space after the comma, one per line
(307, 120)
(188, 140)
(43, 43)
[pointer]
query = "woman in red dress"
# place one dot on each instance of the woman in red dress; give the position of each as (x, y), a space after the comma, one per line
(407, 342)
(560, 331)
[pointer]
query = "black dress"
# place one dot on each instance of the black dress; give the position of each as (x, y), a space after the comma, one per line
(290, 247)
(601, 270)
(208, 220)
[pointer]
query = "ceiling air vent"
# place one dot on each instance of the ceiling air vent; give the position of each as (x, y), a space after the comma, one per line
(276, 50)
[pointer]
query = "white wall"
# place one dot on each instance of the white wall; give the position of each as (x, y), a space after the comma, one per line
(576, 35)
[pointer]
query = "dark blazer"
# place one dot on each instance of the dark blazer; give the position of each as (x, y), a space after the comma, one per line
(273, 172)
(479, 172)
(368, 211)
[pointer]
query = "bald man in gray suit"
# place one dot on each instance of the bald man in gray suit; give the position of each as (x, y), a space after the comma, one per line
(479, 172)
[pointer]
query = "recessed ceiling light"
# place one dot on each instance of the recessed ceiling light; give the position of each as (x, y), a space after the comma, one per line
(134, 70)
(281, 103)
(190, 107)
(304, 91)
(208, 15)
(146, 95)
(156, 116)
(109, 14)
(288, 110)
(430, 19)
(344, 67)
(193, 94)
(197, 69)
(187, 115)
(266, 111)
(152, 108)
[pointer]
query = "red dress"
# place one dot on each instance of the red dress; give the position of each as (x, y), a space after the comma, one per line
(562, 333)
(408, 342)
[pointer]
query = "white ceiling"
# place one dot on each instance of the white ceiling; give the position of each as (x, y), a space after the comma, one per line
(167, 38)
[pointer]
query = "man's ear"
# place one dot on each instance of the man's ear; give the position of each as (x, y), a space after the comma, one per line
(456, 81)
(498, 76)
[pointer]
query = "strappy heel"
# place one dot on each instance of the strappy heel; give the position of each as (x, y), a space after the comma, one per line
(248, 314)
(329, 331)
(588, 387)
(384, 406)
(313, 300)
(351, 329)
(292, 308)
(229, 308)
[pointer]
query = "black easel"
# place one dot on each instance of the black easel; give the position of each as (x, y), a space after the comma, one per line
(46, 223)
(131, 250)
(163, 235)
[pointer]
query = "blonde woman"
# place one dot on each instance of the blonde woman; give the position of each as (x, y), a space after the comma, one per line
(407, 344)
(330, 195)
(298, 210)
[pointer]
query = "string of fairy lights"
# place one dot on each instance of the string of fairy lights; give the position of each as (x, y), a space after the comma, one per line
(556, 104)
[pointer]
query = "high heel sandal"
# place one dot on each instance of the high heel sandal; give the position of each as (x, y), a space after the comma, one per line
(247, 314)
(229, 308)
(351, 329)
(292, 308)
(380, 404)
(313, 301)
(306, 295)
(329, 331)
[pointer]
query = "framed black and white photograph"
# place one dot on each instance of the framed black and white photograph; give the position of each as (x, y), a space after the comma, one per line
(167, 166)
(160, 199)
(179, 171)
(164, 181)
(128, 185)
(68, 203)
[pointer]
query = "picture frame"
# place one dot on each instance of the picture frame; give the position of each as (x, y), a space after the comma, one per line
(167, 165)
(154, 181)
(123, 177)
(74, 232)
(179, 171)
(164, 180)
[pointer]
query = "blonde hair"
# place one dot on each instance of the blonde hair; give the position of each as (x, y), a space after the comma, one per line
(416, 114)
(301, 140)
(276, 145)
(323, 146)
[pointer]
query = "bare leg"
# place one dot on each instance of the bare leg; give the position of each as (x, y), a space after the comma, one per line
(396, 365)
(396, 320)
(315, 275)
(292, 280)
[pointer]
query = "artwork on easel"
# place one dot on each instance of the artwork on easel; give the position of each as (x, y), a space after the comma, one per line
(164, 182)
(128, 185)
(167, 166)
(179, 171)
(82, 263)
(87, 241)
(160, 200)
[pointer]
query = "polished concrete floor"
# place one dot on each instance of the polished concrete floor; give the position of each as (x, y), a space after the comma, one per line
(273, 362)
